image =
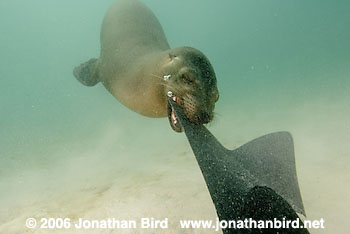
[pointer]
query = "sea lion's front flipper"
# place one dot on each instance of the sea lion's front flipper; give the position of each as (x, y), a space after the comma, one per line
(256, 180)
(87, 73)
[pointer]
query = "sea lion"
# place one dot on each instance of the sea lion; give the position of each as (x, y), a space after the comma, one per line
(137, 66)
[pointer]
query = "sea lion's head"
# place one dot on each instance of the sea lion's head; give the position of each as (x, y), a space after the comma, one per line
(189, 79)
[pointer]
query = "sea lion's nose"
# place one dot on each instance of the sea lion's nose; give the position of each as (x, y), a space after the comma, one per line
(204, 118)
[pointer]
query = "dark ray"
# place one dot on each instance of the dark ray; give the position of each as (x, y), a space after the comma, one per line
(257, 180)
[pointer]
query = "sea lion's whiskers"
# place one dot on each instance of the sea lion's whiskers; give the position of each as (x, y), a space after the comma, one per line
(170, 87)
(190, 99)
(165, 77)
(190, 104)
(157, 76)
(162, 83)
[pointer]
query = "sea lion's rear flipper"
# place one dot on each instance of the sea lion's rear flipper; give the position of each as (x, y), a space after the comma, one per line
(257, 180)
(87, 73)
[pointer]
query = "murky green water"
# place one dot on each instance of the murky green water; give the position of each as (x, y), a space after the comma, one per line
(71, 151)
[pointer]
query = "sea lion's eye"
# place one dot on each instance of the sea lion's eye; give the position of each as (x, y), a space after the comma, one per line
(187, 79)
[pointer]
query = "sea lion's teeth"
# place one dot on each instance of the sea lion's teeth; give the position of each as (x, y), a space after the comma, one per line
(178, 100)
(173, 116)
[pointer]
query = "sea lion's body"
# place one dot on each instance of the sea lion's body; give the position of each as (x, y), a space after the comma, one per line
(131, 41)
(135, 56)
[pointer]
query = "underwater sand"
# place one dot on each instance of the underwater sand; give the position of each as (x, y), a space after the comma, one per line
(137, 167)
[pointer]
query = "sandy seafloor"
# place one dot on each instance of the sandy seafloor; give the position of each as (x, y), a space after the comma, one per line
(72, 151)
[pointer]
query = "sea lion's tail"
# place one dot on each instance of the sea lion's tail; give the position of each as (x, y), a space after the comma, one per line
(87, 73)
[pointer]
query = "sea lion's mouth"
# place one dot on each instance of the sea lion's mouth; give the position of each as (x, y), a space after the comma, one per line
(191, 111)
(173, 119)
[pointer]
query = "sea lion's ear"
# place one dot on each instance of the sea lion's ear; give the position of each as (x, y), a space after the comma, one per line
(172, 56)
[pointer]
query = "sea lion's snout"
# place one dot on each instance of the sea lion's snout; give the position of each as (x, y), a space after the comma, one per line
(192, 84)
(195, 111)
(199, 109)
(204, 117)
